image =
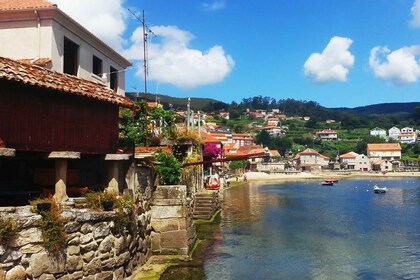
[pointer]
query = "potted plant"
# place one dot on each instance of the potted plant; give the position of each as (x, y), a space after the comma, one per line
(107, 200)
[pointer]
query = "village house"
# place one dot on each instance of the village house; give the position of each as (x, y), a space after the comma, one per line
(309, 160)
(382, 165)
(355, 161)
(272, 121)
(407, 137)
(57, 42)
(327, 134)
(274, 131)
(394, 133)
(386, 151)
(224, 115)
(242, 139)
(379, 132)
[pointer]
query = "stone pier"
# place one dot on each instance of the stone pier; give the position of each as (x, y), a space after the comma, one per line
(172, 221)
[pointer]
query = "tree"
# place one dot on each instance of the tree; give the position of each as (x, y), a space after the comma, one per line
(237, 164)
(168, 168)
(263, 138)
(282, 144)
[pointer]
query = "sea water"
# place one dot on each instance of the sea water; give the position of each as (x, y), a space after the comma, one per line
(304, 230)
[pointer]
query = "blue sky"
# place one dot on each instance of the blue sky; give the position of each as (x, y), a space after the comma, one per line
(337, 53)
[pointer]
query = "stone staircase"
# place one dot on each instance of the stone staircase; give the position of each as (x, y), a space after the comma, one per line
(206, 203)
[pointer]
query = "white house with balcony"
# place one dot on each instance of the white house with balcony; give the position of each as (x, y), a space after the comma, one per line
(379, 132)
(407, 129)
(407, 137)
(38, 32)
(386, 151)
(274, 131)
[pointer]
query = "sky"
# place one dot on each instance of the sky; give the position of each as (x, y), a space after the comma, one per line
(336, 53)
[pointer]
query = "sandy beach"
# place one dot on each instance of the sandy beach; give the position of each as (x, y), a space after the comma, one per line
(261, 176)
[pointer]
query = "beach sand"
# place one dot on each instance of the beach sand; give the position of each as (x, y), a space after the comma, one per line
(261, 176)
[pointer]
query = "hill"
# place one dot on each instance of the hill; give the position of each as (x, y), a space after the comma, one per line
(176, 102)
(383, 109)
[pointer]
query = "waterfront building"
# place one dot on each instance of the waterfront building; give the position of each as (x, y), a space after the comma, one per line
(309, 160)
(387, 151)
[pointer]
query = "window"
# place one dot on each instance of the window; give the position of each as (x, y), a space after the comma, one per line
(71, 50)
(113, 80)
(97, 66)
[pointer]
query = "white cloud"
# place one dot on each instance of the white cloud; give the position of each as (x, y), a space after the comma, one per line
(332, 64)
(214, 6)
(172, 61)
(104, 18)
(415, 12)
(400, 67)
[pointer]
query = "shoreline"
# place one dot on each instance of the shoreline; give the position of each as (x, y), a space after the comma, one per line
(262, 176)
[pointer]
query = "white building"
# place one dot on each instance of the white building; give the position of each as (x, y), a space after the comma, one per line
(274, 131)
(355, 161)
(386, 151)
(38, 32)
(379, 132)
(407, 130)
(407, 137)
(327, 134)
(394, 133)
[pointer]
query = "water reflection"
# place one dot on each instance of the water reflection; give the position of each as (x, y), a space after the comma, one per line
(308, 231)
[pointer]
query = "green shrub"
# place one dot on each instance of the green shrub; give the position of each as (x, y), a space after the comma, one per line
(168, 168)
(8, 229)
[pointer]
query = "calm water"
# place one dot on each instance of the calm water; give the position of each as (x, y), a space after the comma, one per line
(303, 230)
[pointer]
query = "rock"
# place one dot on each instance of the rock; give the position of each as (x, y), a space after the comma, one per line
(72, 227)
(46, 263)
(47, 277)
(27, 236)
(89, 247)
(16, 273)
(100, 230)
(106, 275)
(86, 228)
(88, 256)
(73, 250)
(74, 263)
(93, 267)
(119, 274)
(122, 259)
(107, 244)
(86, 238)
(31, 249)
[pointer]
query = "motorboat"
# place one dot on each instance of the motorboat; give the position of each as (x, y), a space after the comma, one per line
(378, 189)
(334, 180)
(327, 183)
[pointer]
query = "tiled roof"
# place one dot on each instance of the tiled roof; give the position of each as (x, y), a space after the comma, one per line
(24, 4)
(38, 61)
(384, 147)
(207, 138)
(349, 155)
(34, 75)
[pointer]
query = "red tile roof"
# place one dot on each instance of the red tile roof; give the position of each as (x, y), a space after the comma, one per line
(34, 75)
(24, 4)
(384, 147)
(38, 61)
(208, 138)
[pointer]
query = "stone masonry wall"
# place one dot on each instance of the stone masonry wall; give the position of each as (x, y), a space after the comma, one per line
(93, 251)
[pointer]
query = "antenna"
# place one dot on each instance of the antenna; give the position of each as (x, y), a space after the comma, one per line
(146, 31)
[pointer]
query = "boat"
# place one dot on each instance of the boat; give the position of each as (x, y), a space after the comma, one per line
(327, 183)
(334, 180)
(377, 189)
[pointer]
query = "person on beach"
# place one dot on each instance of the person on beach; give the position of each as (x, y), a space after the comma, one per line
(245, 179)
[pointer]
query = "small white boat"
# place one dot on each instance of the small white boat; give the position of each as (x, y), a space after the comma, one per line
(377, 189)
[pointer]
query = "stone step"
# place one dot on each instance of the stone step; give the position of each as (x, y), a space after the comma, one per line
(202, 217)
(205, 200)
(203, 212)
(205, 195)
(203, 208)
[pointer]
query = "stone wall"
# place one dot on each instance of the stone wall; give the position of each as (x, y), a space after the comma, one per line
(172, 221)
(93, 250)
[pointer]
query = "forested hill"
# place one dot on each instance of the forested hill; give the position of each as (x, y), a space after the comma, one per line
(383, 109)
(291, 107)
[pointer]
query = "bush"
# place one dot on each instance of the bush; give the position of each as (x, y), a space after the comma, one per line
(8, 229)
(168, 168)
